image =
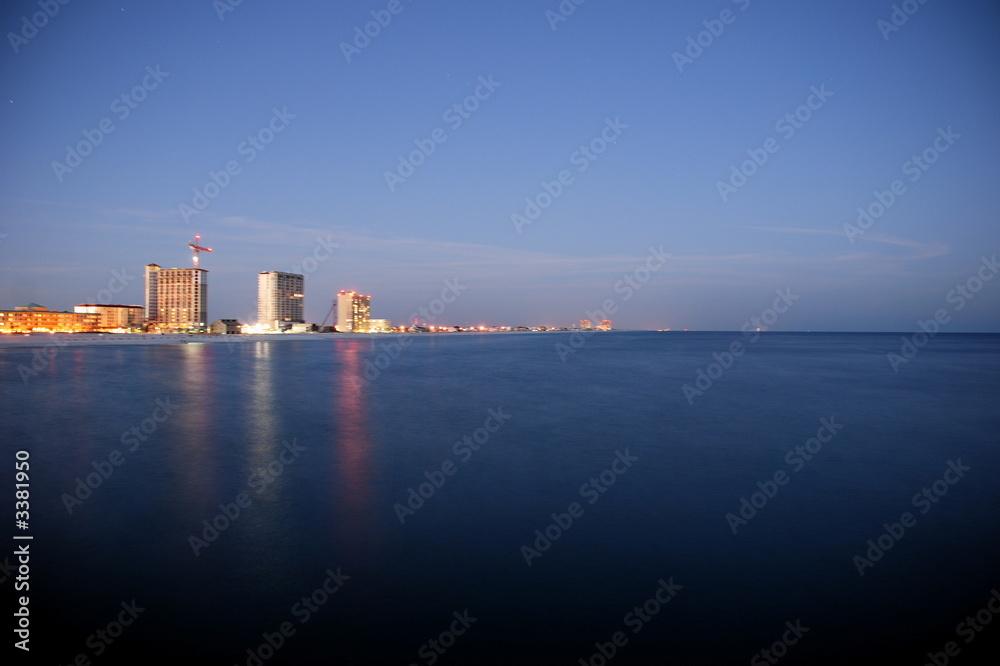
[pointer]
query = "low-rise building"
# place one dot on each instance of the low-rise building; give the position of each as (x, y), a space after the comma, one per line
(114, 317)
(32, 318)
(224, 327)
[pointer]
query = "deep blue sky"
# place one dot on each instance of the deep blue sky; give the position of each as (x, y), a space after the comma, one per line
(656, 185)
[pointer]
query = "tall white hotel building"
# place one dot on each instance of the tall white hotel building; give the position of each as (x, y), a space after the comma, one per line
(280, 298)
(354, 312)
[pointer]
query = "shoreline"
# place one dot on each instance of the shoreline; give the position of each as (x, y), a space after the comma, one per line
(25, 340)
(20, 340)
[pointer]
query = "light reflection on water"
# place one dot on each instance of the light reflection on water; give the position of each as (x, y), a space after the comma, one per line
(352, 437)
(239, 404)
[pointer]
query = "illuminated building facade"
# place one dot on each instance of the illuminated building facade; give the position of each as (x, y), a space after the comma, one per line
(37, 318)
(176, 298)
(280, 298)
(114, 317)
(353, 312)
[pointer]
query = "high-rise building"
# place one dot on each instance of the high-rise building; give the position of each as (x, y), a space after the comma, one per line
(280, 298)
(353, 312)
(152, 270)
(176, 298)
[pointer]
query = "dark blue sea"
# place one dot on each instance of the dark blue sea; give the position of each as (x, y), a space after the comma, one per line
(507, 499)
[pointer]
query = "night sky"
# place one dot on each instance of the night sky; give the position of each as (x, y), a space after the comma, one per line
(535, 157)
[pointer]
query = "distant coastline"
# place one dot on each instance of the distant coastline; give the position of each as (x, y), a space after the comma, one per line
(23, 340)
(95, 339)
(17, 340)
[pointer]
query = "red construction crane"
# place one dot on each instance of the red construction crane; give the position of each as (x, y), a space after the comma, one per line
(198, 248)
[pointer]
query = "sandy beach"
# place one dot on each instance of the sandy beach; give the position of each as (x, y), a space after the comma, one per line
(94, 339)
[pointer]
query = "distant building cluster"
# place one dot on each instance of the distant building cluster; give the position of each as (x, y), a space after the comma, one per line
(176, 301)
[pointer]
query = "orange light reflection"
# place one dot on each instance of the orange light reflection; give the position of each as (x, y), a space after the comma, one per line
(352, 440)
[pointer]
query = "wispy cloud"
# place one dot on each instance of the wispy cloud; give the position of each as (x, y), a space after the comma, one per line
(797, 230)
(920, 250)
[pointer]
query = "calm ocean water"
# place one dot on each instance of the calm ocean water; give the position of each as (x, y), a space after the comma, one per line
(321, 441)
